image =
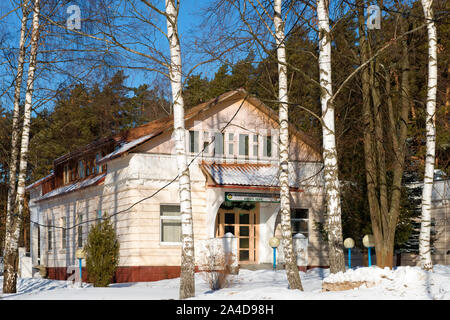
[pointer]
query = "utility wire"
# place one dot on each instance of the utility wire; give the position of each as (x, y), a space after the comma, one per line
(175, 178)
(153, 194)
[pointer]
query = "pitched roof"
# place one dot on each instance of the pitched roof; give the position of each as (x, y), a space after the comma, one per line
(73, 187)
(134, 137)
(152, 129)
(40, 181)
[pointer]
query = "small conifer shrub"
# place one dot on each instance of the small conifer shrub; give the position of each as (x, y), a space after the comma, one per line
(102, 253)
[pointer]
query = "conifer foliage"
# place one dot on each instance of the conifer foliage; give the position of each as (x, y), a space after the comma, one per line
(102, 253)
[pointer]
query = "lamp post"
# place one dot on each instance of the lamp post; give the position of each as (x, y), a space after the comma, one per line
(368, 242)
(274, 242)
(349, 243)
(80, 255)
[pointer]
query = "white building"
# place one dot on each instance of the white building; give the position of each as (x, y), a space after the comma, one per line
(114, 175)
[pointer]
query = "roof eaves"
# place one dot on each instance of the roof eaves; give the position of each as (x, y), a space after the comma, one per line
(73, 187)
(39, 181)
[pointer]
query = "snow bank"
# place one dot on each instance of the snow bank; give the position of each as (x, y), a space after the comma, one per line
(410, 283)
(401, 275)
(370, 274)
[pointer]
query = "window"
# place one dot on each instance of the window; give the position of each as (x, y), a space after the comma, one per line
(64, 233)
(255, 146)
(90, 167)
(231, 144)
(267, 146)
(81, 169)
(73, 173)
(99, 214)
(170, 224)
(193, 141)
(299, 221)
(66, 174)
(80, 232)
(49, 235)
(38, 242)
(243, 145)
(98, 168)
(205, 148)
(218, 144)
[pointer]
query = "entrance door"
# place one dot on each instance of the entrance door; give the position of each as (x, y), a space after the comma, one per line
(243, 224)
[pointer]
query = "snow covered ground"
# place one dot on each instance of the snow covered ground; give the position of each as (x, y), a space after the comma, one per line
(403, 283)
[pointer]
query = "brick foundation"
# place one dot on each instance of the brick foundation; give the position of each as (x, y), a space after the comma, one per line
(304, 269)
(126, 274)
(138, 273)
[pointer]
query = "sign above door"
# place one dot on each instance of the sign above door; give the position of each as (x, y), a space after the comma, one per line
(254, 197)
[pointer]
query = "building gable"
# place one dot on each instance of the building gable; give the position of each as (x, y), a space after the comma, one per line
(236, 114)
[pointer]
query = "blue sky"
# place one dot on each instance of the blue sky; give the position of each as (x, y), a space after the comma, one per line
(10, 28)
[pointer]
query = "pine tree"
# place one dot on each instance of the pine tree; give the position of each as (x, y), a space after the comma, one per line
(102, 253)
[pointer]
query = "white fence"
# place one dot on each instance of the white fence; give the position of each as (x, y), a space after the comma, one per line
(300, 246)
(25, 269)
(25, 265)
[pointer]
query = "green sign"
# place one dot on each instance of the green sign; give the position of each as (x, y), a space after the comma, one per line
(253, 197)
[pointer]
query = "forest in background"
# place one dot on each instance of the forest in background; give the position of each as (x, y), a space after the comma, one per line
(84, 112)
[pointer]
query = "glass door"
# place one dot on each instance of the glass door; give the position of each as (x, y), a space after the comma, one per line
(242, 224)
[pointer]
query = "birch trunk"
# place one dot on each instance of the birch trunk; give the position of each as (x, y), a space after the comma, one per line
(14, 221)
(425, 228)
(289, 254)
(187, 280)
(16, 113)
(334, 224)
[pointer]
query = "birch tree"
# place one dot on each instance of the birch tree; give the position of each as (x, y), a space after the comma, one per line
(14, 219)
(187, 279)
(290, 258)
(333, 222)
(16, 114)
(425, 228)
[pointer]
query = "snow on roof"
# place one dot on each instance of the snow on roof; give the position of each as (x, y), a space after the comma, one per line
(440, 190)
(72, 187)
(125, 147)
(250, 174)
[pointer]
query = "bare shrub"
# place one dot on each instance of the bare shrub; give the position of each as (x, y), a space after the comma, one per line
(216, 268)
